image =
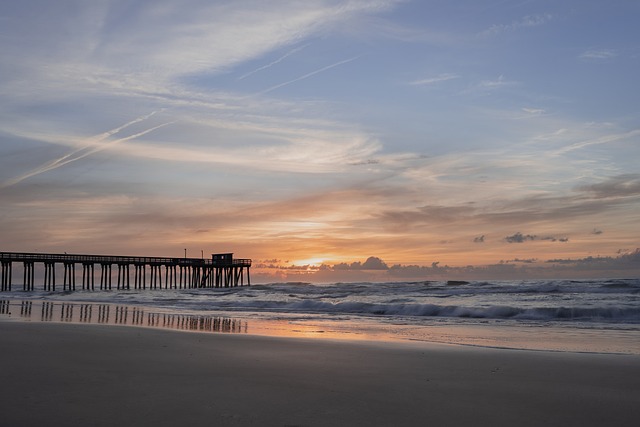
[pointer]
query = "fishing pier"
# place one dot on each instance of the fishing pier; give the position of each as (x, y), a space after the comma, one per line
(219, 271)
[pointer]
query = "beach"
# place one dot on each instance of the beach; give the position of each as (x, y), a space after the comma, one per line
(99, 375)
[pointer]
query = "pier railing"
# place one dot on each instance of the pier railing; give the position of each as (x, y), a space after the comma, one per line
(116, 259)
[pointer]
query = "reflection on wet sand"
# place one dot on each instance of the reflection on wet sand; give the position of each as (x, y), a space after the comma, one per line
(109, 314)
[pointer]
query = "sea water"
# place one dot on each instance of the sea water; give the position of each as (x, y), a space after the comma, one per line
(559, 315)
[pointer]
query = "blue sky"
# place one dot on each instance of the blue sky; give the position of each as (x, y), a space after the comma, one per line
(304, 133)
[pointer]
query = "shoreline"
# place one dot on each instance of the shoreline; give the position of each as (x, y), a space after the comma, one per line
(75, 374)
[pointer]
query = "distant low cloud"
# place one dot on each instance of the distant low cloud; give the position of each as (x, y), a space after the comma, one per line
(519, 238)
(625, 261)
(555, 239)
(372, 263)
(522, 261)
(517, 268)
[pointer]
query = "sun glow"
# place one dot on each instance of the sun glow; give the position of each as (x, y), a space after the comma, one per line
(311, 262)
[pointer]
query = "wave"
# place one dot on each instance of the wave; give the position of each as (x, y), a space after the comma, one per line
(609, 300)
(432, 310)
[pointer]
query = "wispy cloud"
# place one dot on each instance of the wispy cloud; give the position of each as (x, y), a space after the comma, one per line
(321, 153)
(534, 111)
(526, 22)
(598, 54)
(306, 76)
(501, 81)
(434, 80)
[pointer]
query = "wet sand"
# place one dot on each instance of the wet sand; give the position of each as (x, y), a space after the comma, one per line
(78, 375)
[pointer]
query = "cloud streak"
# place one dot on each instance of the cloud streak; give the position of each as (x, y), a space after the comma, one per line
(599, 54)
(434, 80)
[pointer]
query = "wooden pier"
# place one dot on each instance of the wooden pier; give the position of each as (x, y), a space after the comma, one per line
(220, 271)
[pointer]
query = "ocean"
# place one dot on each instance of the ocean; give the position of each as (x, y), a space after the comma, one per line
(601, 316)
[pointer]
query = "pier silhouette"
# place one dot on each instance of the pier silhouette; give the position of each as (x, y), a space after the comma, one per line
(219, 271)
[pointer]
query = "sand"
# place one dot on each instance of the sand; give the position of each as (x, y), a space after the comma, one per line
(90, 375)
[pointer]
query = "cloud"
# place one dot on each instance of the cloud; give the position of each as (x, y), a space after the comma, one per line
(157, 47)
(188, 38)
(434, 80)
(435, 214)
(270, 261)
(622, 186)
(479, 239)
(523, 261)
(500, 82)
(534, 111)
(149, 56)
(625, 261)
(598, 54)
(372, 263)
(517, 268)
(555, 239)
(519, 238)
(294, 140)
(313, 152)
(528, 21)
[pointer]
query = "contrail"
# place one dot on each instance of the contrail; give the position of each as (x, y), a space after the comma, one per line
(602, 140)
(126, 125)
(87, 150)
(97, 138)
(109, 144)
(271, 64)
(313, 73)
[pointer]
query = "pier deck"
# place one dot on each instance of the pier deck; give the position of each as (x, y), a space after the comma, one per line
(221, 270)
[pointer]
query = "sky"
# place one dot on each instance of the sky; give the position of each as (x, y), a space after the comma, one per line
(326, 140)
